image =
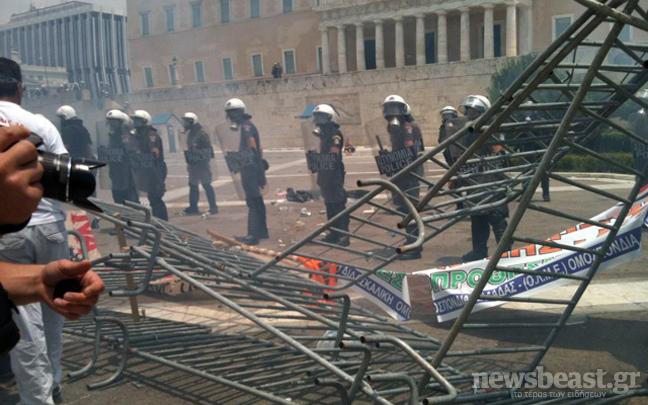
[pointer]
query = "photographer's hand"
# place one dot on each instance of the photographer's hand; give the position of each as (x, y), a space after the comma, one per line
(35, 283)
(20, 175)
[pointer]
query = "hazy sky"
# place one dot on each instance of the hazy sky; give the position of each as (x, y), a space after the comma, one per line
(10, 7)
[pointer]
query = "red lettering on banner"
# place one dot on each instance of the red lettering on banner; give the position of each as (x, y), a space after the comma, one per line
(548, 249)
(528, 249)
(82, 225)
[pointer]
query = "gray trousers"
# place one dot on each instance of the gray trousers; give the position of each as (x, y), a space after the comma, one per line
(36, 359)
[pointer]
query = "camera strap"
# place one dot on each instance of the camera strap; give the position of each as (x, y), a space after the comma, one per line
(9, 333)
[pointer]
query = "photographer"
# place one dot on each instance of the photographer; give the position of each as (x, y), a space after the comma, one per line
(36, 360)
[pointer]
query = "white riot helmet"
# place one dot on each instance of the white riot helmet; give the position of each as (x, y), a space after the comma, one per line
(66, 112)
(477, 102)
(117, 115)
(323, 114)
(448, 112)
(395, 105)
(141, 115)
(190, 116)
(234, 104)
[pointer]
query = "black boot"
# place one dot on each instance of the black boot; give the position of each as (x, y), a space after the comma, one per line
(211, 198)
(192, 209)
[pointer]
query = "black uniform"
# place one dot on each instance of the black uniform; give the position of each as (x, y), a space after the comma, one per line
(198, 147)
(76, 138)
(119, 167)
(331, 182)
(496, 217)
(253, 179)
(408, 133)
(149, 167)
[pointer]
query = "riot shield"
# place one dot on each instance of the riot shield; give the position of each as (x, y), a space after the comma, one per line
(228, 141)
(312, 150)
(456, 149)
(392, 156)
(118, 175)
(103, 145)
(201, 163)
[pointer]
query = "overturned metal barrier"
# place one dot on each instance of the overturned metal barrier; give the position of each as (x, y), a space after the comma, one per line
(297, 320)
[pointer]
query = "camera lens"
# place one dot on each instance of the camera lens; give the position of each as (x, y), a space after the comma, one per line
(68, 180)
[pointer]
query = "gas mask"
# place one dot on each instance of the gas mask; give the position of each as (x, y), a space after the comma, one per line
(234, 116)
(393, 124)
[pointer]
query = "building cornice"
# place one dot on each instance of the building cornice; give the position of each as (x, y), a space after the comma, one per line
(347, 12)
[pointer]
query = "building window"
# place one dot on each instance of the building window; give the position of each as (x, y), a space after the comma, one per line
(318, 53)
(560, 24)
(287, 6)
(255, 8)
(148, 77)
(290, 66)
(228, 72)
(170, 19)
(144, 24)
(257, 65)
(225, 11)
(499, 37)
(200, 71)
(196, 14)
(173, 74)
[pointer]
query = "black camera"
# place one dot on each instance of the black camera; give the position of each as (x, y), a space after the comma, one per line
(67, 179)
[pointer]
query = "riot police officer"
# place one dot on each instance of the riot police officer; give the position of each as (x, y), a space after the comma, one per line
(147, 158)
(76, 137)
(252, 172)
(404, 133)
(199, 153)
(331, 181)
(447, 113)
(473, 107)
(119, 168)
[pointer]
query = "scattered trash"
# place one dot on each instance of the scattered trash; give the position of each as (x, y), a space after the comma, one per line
(299, 226)
(299, 196)
(281, 193)
(322, 212)
(283, 209)
(369, 211)
(277, 202)
(280, 241)
(305, 212)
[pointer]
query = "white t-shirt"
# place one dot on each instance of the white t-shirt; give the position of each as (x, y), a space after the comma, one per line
(48, 211)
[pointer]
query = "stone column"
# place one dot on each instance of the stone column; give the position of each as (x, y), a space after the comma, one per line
(489, 46)
(420, 39)
(326, 51)
(380, 45)
(442, 34)
(526, 35)
(400, 48)
(360, 49)
(511, 28)
(341, 40)
(464, 34)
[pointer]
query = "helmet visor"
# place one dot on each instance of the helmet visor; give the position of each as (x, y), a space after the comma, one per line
(394, 109)
(320, 118)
